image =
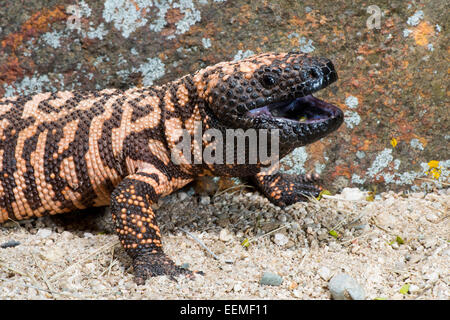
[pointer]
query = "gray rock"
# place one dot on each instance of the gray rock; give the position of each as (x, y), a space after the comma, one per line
(9, 244)
(344, 287)
(271, 279)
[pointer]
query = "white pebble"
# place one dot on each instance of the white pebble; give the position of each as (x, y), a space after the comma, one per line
(432, 277)
(324, 273)
(431, 217)
(182, 196)
(353, 194)
(413, 288)
(225, 235)
(44, 233)
(280, 239)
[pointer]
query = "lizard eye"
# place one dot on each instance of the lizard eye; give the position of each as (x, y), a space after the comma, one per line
(269, 80)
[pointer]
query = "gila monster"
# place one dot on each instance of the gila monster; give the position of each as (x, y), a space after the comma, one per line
(70, 150)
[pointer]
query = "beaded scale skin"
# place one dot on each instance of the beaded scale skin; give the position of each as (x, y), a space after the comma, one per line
(66, 150)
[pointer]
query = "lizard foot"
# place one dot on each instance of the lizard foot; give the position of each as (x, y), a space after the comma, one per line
(285, 189)
(156, 264)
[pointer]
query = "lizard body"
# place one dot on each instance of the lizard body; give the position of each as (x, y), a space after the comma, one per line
(72, 150)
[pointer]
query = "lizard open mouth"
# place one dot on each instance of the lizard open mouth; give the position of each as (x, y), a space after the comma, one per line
(307, 109)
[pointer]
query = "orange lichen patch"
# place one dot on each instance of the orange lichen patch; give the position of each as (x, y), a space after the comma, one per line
(39, 22)
(173, 15)
(296, 21)
(11, 70)
(341, 171)
(316, 149)
(422, 32)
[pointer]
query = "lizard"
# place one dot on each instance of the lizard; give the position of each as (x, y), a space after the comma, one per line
(68, 150)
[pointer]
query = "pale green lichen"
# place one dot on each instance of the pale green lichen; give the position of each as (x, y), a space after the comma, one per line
(152, 70)
(352, 102)
(381, 161)
(360, 154)
(357, 179)
(296, 161)
(52, 39)
(125, 15)
(206, 43)
(242, 55)
(352, 119)
(416, 144)
(306, 45)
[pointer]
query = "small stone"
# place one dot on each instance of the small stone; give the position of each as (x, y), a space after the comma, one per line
(271, 279)
(184, 265)
(9, 244)
(431, 217)
(182, 196)
(353, 194)
(44, 233)
(324, 273)
(395, 246)
(88, 235)
(205, 200)
(344, 287)
(432, 277)
(413, 288)
(237, 287)
(280, 239)
(225, 235)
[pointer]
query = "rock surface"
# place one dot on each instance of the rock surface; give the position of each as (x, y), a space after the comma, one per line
(391, 61)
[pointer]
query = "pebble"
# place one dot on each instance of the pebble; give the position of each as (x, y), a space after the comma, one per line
(324, 273)
(44, 233)
(182, 196)
(413, 288)
(205, 200)
(184, 265)
(344, 287)
(225, 235)
(9, 244)
(353, 194)
(271, 279)
(431, 217)
(280, 239)
(432, 277)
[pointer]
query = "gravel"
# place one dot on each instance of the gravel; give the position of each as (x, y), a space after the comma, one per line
(344, 287)
(271, 279)
(74, 256)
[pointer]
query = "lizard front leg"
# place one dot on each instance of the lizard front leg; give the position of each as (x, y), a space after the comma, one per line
(285, 189)
(136, 224)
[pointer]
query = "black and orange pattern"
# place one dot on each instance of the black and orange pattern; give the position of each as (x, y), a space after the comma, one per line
(72, 150)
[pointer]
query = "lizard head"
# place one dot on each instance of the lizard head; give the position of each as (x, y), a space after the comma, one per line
(273, 91)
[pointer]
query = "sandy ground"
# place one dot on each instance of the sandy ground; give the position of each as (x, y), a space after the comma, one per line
(384, 245)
